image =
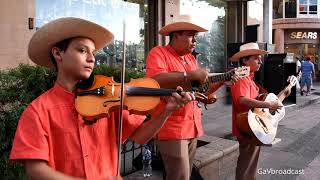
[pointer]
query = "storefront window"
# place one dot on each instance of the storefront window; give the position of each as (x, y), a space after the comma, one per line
(110, 14)
(277, 9)
(295, 8)
(308, 7)
(290, 8)
(302, 50)
(211, 45)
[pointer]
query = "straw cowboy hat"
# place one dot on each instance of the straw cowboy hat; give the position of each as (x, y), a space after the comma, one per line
(248, 49)
(47, 36)
(182, 22)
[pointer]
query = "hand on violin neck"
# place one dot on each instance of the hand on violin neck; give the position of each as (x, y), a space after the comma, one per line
(178, 99)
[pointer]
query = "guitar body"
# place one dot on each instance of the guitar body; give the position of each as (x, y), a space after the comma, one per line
(260, 125)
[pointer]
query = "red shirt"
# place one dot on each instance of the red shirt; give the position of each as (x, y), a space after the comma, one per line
(245, 87)
(184, 123)
(50, 129)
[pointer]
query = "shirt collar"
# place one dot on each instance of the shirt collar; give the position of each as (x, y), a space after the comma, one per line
(63, 93)
(251, 75)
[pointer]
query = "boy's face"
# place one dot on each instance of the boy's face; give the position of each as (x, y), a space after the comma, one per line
(77, 61)
(254, 62)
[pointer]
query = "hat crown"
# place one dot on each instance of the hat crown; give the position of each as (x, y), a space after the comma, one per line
(249, 46)
(181, 22)
(182, 18)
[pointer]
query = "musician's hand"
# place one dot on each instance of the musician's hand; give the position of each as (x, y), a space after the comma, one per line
(275, 105)
(200, 75)
(234, 79)
(176, 101)
(287, 92)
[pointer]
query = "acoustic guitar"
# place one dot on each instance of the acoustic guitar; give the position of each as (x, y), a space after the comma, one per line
(260, 125)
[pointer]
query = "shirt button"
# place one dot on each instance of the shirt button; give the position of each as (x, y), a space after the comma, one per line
(86, 155)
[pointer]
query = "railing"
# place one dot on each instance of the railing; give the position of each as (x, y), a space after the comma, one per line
(131, 156)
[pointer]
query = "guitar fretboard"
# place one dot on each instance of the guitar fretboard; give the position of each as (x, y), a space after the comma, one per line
(221, 77)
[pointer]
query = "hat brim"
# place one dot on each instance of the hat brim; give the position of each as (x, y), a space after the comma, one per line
(179, 26)
(247, 52)
(47, 36)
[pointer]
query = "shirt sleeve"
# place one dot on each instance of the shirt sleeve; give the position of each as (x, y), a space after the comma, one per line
(130, 124)
(30, 141)
(155, 62)
(240, 89)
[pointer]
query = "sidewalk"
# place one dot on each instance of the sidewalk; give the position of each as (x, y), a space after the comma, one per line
(218, 118)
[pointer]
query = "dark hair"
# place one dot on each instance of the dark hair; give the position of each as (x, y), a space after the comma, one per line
(171, 34)
(242, 59)
(63, 46)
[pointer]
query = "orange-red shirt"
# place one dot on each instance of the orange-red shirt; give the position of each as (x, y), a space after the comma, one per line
(50, 129)
(184, 123)
(245, 87)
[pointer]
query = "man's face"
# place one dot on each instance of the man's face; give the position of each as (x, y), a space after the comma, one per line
(254, 62)
(77, 61)
(186, 41)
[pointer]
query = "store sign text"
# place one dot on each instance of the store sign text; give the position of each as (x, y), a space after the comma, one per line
(304, 35)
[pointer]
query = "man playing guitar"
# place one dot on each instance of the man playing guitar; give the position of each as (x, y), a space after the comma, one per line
(244, 93)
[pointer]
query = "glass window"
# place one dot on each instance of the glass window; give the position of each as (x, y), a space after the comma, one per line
(277, 9)
(110, 14)
(290, 8)
(313, 7)
(308, 7)
(210, 14)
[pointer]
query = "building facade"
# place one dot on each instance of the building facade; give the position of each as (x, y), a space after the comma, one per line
(224, 19)
(296, 26)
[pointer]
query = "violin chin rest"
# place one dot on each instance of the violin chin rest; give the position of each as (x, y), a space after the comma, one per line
(86, 83)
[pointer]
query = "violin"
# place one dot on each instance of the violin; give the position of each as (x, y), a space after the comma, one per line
(101, 96)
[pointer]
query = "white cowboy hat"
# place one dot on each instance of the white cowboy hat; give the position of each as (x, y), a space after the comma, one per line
(182, 22)
(248, 49)
(47, 36)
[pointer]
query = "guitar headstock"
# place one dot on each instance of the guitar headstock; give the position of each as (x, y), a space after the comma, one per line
(292, 80)
(242, 71)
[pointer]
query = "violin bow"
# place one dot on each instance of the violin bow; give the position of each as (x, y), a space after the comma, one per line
(121, 99)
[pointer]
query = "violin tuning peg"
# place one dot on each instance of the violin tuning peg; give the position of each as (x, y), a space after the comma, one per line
(199, 104)
(205, 106)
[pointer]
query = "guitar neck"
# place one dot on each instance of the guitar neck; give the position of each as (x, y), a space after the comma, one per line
(221, 77)
(281, 95)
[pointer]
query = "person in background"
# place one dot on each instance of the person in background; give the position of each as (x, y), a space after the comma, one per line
(307, 73)
(298, 71)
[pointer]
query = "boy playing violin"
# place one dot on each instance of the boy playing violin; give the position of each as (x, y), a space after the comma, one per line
(52, 140)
